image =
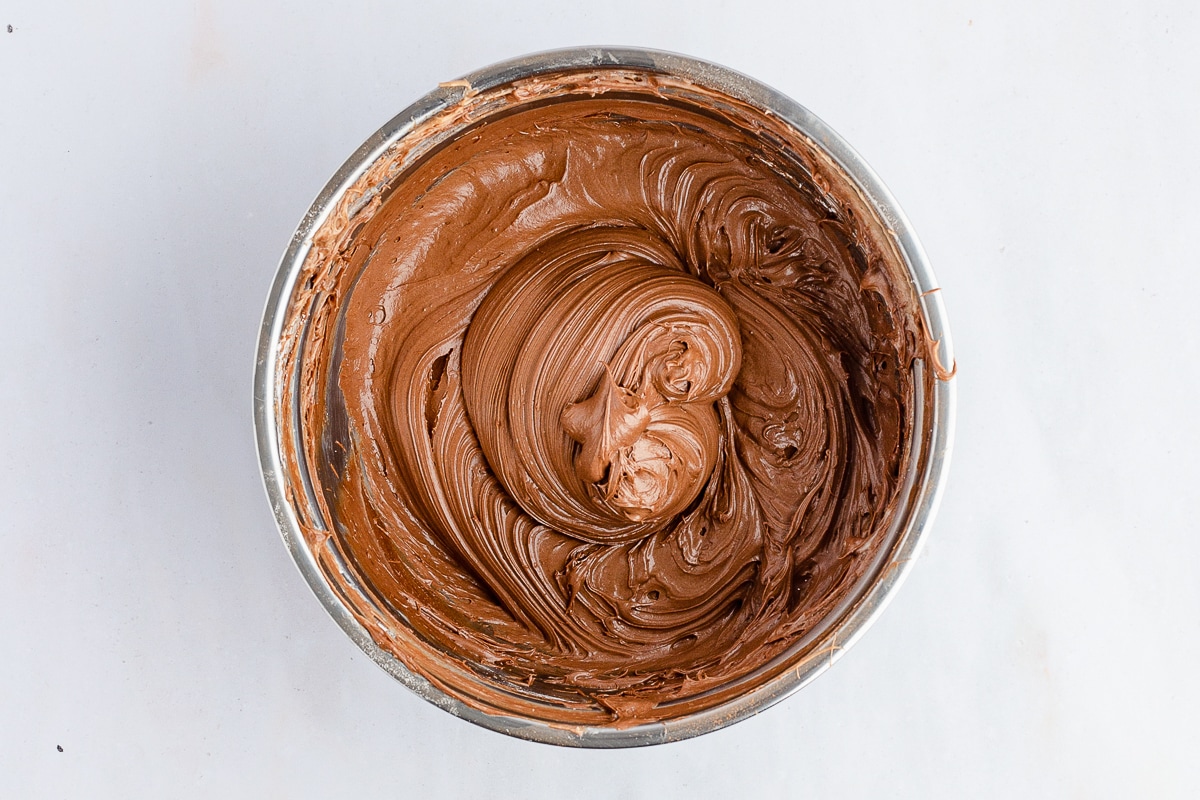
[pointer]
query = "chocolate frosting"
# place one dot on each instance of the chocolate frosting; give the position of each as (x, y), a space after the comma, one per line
(608, 396)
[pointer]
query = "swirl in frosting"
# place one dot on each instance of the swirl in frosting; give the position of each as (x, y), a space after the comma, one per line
(610, 399)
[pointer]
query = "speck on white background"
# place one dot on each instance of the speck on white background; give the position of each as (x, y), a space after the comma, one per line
(157, 639)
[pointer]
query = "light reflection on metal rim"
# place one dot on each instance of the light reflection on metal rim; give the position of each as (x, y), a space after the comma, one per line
(933, 454)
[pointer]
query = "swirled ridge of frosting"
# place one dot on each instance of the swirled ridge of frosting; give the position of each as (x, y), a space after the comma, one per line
(635, 355)
(608, 399)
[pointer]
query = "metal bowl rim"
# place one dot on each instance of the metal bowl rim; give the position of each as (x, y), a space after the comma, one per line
(931, 482)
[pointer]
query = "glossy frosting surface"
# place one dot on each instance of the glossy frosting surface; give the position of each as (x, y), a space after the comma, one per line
(611, 399)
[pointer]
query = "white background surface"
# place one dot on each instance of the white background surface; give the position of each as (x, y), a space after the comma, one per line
(154, 161)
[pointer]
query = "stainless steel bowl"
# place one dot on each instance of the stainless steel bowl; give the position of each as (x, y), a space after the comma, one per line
(278, 422)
